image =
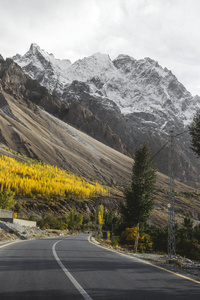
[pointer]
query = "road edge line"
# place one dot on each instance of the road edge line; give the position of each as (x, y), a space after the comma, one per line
(10, 243)
(143, 261)
(69, 275)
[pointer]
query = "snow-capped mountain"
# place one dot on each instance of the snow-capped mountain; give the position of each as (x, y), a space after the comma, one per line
(39, 64)
(138, 99)
(134, 85)
(28, 126)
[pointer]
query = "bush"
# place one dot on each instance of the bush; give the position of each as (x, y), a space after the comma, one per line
(144, 244)
(7, 199)
(159, 238)
(15, 215)
(189, 248)
(32, 218)
(187, 240)
(196, 232)
(18, 207)
(52, 223)
(115, 241)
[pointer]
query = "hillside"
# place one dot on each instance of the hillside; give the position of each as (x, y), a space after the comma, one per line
(30, 92)
(39, 135)
(29, 128)
(138, 99)
(88, 157)
(36, 201)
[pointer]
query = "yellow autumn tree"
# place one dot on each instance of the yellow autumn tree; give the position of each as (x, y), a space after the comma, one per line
(144, 243)
(100, 211)
(36, 178)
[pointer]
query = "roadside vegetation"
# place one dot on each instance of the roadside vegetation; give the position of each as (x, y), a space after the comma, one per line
(35, 186)
(139, 200)
(130, 230)
(152, 239)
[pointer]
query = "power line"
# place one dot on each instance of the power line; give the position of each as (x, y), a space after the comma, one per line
(174, 136)
(159, 150)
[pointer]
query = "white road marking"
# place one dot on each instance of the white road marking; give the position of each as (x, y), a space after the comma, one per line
(69, 275)
(143, 261)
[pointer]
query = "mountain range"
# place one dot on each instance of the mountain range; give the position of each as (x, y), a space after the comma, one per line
(36, 123)
(122, 103)
(27, 128)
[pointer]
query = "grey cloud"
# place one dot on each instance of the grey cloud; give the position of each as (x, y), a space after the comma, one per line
(167, 31)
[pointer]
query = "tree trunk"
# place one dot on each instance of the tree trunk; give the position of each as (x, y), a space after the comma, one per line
(136, 238)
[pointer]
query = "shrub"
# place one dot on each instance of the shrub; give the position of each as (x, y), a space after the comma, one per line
(144, 244)
(18, 207)
(15, 215)
(115, 241)
(189, 248)
(32, 218)
(7, 199)
(159, 238)
(52, 223)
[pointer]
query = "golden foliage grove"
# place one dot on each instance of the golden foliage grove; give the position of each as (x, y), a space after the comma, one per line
(37, 178)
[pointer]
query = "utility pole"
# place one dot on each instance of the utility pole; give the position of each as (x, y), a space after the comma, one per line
(171, 212)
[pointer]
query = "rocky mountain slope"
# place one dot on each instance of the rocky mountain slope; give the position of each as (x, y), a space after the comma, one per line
(32, 122)
(138, 99)
(16, 83)
(26, 127)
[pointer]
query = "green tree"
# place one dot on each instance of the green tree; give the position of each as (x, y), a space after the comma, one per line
(138, 197)
(108, 220)
(7, 199)
(196, 232)
(74, 219)
(188, 223)
(194, 130)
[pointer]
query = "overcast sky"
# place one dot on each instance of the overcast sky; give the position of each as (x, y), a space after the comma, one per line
(167, 31)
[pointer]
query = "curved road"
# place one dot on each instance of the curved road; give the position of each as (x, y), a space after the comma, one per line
(73, 268)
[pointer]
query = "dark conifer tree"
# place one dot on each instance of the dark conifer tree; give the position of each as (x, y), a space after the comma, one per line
(138, 197)
(194, 129)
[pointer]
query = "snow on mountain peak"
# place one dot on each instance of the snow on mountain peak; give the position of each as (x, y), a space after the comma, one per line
(44, 67)
(134, 85)
(34, 47)
(95, 65)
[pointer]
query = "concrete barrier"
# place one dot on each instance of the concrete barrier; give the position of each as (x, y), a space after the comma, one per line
(24, 223)
(6, 214)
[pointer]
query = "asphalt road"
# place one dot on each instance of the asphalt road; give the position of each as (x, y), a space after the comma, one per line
(73, 268)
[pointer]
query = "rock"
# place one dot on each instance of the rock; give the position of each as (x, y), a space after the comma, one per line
(187, 260)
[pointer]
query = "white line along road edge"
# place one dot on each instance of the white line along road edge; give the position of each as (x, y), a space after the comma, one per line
(69, 275)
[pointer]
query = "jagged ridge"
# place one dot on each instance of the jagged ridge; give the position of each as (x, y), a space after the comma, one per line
(138, 99)
(16, 83)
